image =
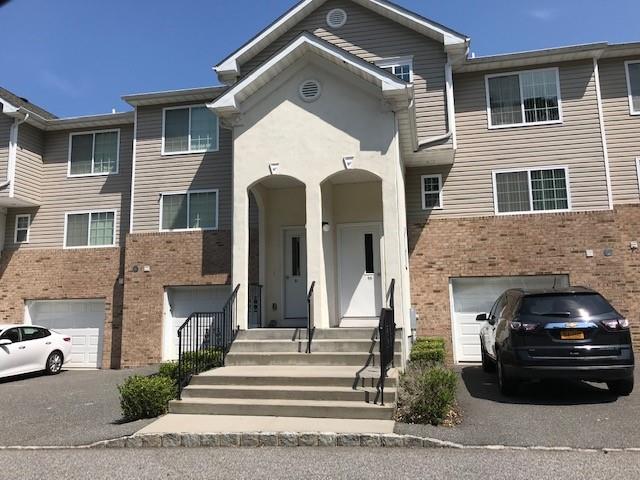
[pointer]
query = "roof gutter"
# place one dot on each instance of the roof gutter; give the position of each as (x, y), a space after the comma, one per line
(19, 118)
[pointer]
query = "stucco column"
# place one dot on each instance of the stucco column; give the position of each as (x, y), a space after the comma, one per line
(392, 250)
(240, 251)
(315, 255)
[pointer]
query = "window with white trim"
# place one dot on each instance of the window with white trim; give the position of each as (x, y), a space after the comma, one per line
(23, 225)
(90, 229)
(191, 129)
(524, 98)
(194, 210)
(400, 67)
(431, 191)
(633, 85)
(531, 190)
(94, 153)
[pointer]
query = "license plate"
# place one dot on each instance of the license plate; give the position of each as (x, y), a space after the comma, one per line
(571, 334)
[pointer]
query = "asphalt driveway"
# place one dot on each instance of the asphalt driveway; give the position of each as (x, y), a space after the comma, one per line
(72, 408)
(559, 413)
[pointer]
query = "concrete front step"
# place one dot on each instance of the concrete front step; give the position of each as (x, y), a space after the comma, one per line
(317, 346)
(321, 358)
(288, 392)
(301, 334)
(282, 408)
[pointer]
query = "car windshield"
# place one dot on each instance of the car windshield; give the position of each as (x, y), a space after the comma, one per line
(570, 305)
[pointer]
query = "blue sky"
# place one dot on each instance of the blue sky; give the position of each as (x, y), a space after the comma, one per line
(77, 57)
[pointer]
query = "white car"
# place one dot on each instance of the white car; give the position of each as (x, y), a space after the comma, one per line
(29, 348)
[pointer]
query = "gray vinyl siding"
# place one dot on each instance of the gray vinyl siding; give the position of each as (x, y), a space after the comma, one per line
(623, 130)
(61, 194)
(5, 127)
(373, 37)
(156, 173)
(29, 167)
(576, 144)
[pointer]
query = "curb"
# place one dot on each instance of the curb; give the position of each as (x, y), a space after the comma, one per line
(296, 439)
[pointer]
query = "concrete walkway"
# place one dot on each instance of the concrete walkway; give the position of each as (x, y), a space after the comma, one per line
(184, 423)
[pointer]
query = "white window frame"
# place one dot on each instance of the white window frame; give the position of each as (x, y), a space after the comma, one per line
(189, 150)
(397, 62)
(440, 205)
(188, 193)
(15, 234)
(93, 151)
(523, 123)
(531, 211)
(629, 93)
(90, 212)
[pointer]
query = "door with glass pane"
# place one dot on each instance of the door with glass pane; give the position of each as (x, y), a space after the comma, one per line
(295, 274)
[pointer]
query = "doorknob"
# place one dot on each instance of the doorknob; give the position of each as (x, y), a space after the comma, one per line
(22, 347)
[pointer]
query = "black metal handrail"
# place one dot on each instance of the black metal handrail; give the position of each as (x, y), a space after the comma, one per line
(255, 305)
(387, 337)
(310, 326)
(204, 340)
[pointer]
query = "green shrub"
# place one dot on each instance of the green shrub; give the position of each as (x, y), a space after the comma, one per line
(203, 359)
(169, 370)
(145, 397)
(428, 350)
(427, 394)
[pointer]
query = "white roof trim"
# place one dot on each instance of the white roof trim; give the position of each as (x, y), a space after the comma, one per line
(388, 82)
(7, 107)
(230, 65)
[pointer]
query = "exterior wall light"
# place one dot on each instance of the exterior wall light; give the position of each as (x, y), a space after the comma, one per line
(326, 227)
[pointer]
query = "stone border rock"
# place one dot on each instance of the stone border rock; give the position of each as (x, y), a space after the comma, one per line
(294, 439)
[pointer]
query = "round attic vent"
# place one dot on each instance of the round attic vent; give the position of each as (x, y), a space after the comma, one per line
(310, 90)
(336, 18)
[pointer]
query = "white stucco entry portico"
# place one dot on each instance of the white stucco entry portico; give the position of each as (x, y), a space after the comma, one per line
(349, 134)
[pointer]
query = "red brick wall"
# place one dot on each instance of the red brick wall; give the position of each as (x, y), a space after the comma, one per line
(174, 259)
(525, 245)
(63, 275)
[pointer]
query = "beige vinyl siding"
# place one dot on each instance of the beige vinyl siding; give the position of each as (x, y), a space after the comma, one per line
(373, 37)
(5, 128)
(157, 173)
(576, 144)
(61, 194)
(29, 168)
(623, 130)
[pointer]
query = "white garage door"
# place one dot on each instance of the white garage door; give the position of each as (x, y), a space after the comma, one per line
(180, 302)
(471, 296)
(82, 320)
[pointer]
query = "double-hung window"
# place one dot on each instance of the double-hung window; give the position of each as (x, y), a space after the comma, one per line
(194, 210)
(531, 190)
(23, 225)
(401, 67)
(90, 229)
(524, 98)
(633, 85)
(94, 153)
(431, 191)
(191, 129)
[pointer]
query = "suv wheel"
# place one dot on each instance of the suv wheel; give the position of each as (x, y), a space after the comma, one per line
(508, 385)
(488, 365)
(621, 387)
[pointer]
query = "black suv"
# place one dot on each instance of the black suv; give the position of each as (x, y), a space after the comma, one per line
(571, 333)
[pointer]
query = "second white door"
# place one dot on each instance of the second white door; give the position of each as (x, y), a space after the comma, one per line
(295, 274)
(359, 270)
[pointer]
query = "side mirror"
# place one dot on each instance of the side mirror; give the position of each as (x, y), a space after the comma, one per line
(481, 318)
(5, 341)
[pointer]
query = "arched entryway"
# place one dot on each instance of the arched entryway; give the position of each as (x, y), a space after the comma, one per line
(353, 233)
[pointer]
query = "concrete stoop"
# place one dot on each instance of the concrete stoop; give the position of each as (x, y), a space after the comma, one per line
(268, 374)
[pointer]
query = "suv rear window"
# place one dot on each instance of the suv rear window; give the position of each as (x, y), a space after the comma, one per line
(580, 305)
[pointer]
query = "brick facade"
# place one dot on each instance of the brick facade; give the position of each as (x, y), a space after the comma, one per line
(64, 274)
(525, 245)
(174, 259)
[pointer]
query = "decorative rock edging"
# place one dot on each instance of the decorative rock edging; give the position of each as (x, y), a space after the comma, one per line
(295, 439)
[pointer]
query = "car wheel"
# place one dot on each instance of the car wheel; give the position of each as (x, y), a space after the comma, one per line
(54, 363)
(508, 385)
(488, 364)
(621, 387)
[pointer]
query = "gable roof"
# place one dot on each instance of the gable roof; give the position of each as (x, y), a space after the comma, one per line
(390, 85)
(7, 97)
(230, 66)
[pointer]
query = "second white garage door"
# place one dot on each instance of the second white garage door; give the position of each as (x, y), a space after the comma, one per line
(473, 295)
(180, 302)
(82, 320)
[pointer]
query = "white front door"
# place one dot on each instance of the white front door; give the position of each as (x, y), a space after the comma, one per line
(295, 274)
(359, 270)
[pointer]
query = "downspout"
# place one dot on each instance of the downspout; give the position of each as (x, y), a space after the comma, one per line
(603, 133)
(13, 150)
(451, 124)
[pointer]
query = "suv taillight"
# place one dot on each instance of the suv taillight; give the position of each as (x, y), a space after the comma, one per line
(615, 324)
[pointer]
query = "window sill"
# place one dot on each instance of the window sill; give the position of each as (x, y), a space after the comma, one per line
(532, 212)
(183, 230)
(84, 175)
(89, 247)
(188, 152)
(634, 114)
(428, 209)
(520, 125)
